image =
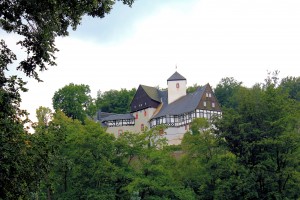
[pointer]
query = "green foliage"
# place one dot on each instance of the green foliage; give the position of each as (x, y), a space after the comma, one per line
(192, 88)
(115, 101)
(83, 165)
(291, 85)
(74, 100)
(40, 22)
(155, 178)
(263, 133)
(17, 175)
(44, 116)
(226, 90)
(199, 125)
(23, 158)
(208, 168)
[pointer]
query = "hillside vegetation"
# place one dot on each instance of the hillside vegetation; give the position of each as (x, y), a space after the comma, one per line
(252, 152)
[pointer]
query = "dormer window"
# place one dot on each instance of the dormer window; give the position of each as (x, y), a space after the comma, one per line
(177, 85)
(208, 94)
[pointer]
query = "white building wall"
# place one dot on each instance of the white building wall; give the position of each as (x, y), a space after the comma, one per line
(176, 89)
(174, 135)
(143, 118)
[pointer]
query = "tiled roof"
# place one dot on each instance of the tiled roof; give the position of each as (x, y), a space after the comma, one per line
(101, 115)
(176, 76)
(118, 117)
(152, 92)
(184, 104)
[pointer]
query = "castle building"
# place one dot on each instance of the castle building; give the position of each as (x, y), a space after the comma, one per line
(172, 107)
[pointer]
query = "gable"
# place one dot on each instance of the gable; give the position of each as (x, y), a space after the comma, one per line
(183, 105)
(145, 97)
(208, 100)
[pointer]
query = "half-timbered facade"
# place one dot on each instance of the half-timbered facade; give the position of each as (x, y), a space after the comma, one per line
(172, 107)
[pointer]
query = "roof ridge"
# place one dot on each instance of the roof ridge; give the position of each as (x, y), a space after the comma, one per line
(176, 76)
(152, 92)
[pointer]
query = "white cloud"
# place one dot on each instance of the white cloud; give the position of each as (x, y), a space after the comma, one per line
(208, 40)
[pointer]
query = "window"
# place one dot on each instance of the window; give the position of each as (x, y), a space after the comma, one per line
(177, 85)
(208, 115)
(157, 121)
(136, 115)
(145, 113)
(209, 94)
(180, 118)
(142, 127)
(204, 103)
(213, 104)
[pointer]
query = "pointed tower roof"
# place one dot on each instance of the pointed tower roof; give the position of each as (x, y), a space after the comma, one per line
(176, 76)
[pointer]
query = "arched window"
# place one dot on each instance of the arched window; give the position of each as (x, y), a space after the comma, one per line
(177, 85)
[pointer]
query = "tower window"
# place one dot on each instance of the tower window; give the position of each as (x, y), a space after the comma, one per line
(177, 85)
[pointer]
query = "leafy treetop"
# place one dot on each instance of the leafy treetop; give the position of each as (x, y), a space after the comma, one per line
(41, 21)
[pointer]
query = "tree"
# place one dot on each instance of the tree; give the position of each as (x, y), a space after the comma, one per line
(291, 85)
(115, 101)
(153, 175)
(263, 133)
(39, 23)
(199, 125)
(193, 88)
(44, 115)
(74, 100)
(206, 167)
(83, 164)
(225, 91)
(16, 175)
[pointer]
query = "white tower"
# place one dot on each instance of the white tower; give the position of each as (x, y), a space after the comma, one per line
(176, 87)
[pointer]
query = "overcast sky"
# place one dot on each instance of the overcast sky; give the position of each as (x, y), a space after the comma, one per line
(206, 39)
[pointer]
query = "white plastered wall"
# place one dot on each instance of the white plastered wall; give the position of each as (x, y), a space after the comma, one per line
(142, 119)
(175, 92)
